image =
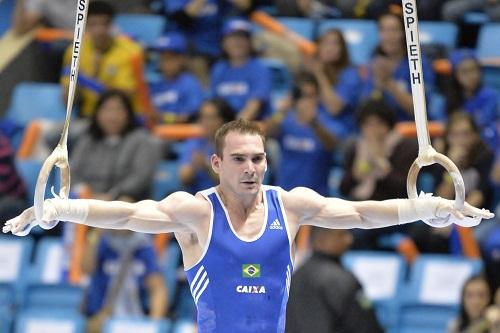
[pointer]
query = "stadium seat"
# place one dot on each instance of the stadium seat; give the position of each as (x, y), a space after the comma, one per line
(301, 26)
(44, 321)
(476, 18)
(53, 296)
(381, 275)
(144, 28)
(442, 33)
(491, 77)
(5, 320)
(49, 261)
(6, 296)
(28, 171)
(184, 326)
(433, 291)
(361, 37)
(47, 287)
(487, 43)
(138, 325)
(35, 100)
(165, 180)
(14, 255)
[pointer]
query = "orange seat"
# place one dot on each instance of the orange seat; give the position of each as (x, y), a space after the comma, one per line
(177, 131)
(409, 129)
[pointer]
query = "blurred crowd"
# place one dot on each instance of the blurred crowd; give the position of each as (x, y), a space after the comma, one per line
(334, 129)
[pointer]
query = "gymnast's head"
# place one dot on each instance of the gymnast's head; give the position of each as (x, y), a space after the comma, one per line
(240, 158)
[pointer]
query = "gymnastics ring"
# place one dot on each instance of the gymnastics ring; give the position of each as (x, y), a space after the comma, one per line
(59, 156)
(426, 153)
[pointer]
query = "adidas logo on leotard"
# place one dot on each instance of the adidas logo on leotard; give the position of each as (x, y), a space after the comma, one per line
(276, 225)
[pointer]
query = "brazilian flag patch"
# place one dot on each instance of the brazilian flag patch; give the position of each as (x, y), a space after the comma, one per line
(250, 270)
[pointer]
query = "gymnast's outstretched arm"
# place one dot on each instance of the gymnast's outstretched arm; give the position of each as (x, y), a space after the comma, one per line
(309, 208)
(179, 212)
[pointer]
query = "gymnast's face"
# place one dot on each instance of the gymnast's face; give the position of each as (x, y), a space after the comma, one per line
(243, 163)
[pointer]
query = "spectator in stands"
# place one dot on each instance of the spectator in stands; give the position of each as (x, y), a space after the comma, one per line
(468, 93)
(195, 171)
(389, 75)
(377, 164)
(201, 21)
(473, 303)
(314, 9)
(338, 80)
(178, 94)
(125, 279)
(115, 158)
(13, 199)
(240, 78)
(107, 61)
(324, 296)
(454, 10)
(53, 13)
(464, 146)
(305, 132)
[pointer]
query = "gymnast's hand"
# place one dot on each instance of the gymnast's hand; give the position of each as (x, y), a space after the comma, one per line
(22, 224)
(446, 213)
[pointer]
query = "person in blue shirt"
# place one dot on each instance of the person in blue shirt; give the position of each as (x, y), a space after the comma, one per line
(201, 21)
(125, 279)
(339, 82)
(178, 94)
(304, 132)
(240, 78)
(237, 238)
(195, 173)
(468, 93)
(389, 72)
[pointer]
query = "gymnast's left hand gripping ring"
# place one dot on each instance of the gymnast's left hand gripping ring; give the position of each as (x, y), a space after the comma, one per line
(59, 158)
(431, 157)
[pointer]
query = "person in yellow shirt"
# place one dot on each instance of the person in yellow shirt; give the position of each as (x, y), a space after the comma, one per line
(106, 61)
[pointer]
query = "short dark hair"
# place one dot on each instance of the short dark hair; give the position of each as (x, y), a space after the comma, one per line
(94, 129)
(241, 126)
(98, 7)
(378, 108)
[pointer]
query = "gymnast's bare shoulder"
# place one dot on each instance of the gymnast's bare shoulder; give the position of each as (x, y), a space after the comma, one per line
(185, 209)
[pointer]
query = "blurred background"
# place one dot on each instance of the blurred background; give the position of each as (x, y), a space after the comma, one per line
(328, 81)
